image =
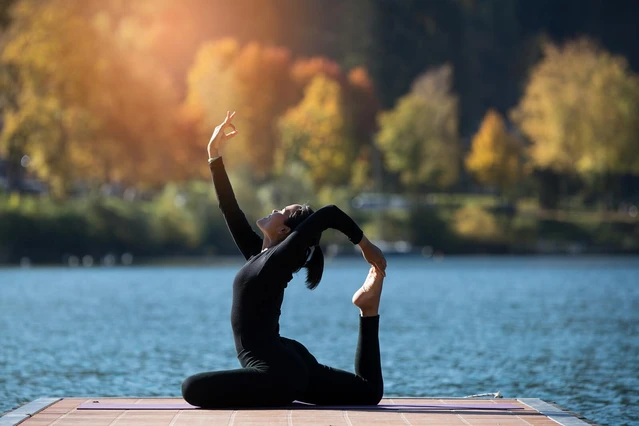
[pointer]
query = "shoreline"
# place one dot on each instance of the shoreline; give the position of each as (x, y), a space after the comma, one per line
(233, 260)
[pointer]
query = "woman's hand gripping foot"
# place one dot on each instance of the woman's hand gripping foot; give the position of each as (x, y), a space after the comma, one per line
(368, 296)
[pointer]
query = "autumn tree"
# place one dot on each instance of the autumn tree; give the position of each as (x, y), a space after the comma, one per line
(87, 107)
(264, 90)
(494, 156)
(419, 136)
(360, 106)
(12, 144)
(262, 83)
(252, 79)
(211, 92)
(580, 112)
(363, 107)
(304, 70)
(317, 134)
(33, 120)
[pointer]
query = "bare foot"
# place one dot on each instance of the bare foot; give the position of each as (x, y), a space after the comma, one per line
(367, 297)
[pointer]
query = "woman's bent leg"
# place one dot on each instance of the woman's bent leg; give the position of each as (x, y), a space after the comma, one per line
(368, 364)
(244, 387)
(331, 386)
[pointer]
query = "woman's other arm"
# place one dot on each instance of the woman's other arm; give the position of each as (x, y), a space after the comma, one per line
(327, 217)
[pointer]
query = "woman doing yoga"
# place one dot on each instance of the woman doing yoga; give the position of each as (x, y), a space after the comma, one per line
(276, 370)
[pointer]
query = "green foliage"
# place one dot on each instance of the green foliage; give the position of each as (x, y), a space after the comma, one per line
(317, 134)
(476, 223)
(177, 221)
(419, 136)
(580, 111)
(388, 226)
(292, 186)
(172, 224)
(428, 227)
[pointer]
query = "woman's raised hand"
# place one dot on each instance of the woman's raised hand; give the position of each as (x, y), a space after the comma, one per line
(373, 255)
(220, 137)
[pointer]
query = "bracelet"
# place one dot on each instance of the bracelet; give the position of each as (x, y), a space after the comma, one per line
(212, 159)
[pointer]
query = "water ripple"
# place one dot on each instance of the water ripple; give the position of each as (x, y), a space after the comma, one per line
(564, 330)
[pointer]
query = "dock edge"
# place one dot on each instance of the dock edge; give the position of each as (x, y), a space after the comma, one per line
(555, 412)
(20, 414)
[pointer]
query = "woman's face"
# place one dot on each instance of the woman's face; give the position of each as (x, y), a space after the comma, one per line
(273, 226)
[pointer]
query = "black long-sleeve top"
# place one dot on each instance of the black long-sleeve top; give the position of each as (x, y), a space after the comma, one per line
(258, 287)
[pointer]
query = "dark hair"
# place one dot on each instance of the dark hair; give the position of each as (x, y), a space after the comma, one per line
(315, 265)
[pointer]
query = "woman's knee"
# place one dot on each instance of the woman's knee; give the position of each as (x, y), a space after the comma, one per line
(187, 390)
(373, 395)
(192, 392)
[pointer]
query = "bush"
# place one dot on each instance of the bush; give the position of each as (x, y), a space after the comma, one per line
(174, 222)
(476, 223)
(428, 228)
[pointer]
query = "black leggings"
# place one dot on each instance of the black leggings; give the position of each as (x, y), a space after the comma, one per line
(286, 371)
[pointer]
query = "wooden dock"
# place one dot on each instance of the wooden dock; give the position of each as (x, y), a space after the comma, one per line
(408, 411)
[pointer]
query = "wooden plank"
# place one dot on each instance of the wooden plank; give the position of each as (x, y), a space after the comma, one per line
(65, 413)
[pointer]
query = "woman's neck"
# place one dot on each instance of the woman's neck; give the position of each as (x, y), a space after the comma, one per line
(268, 243)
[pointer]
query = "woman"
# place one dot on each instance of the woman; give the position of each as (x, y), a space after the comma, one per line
(277, 370)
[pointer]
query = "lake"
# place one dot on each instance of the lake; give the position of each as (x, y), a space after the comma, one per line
(561, 329)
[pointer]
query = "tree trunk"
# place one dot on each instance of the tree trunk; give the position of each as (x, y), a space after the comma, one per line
(548, 182)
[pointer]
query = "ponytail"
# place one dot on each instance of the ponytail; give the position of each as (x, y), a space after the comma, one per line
(314, 257)
(314, 267)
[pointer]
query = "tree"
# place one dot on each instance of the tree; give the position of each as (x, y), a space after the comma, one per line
(87, 106)
(419, 136)
(252, 79)
(363, 107)
(580, 112)
(316, 133)
(360, 106)
(494, 157)
(474, 222)
(305, 70)
(34, 121)
(264, 90)
(211, 92)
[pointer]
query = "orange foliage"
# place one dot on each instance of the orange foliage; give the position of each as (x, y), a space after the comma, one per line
(304, 70)
(264, 92)
(363, 104)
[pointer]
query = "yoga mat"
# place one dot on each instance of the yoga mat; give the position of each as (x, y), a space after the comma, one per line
(300, 405)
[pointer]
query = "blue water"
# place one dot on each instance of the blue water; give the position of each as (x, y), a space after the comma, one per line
(560, 329)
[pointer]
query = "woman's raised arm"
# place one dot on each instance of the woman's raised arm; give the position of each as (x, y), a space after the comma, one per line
(219, 138)
(245, 238)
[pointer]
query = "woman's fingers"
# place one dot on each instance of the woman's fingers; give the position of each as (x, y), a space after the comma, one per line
(227, 123)
(229, 135)
(382, 263)
(219, 136)
(229, 116)
(375, 257)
